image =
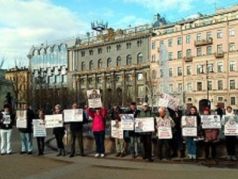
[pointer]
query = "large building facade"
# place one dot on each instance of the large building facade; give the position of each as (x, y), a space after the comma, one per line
(116, 62)
(202, 58)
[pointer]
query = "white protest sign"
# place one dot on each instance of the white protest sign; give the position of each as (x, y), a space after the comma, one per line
(73, 115)
(127, 122)
(170, 101)
(231, 125)
(211, 121)
(189, 126)
(164, 128)
(52, 121)
(94, 98)
(21, 119)
(145, 124)
(116, 130)
(6, 118)
(39, 129)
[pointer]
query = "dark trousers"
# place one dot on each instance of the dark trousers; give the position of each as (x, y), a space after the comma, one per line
(79, 136)
(231, 145)
(164, 148)
(99, 139)
(40, 144)
(147, 144)
(59, 140)
(212, 146)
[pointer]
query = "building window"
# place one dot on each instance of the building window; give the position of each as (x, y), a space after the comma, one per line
(153, 45)
(100, 63)
(118, 61)
(179, 54)
(219, 34)
(128, 60)
(209, 35)
(109, 62)
(198, 36)
(219, 48)
(199, 86)
(219, 67)
(179, 70)
(232, 32)
(179, 41)
(99, 50)
(189, 87)
(91, 65)
(82, 66)
(210, 68)
(233, 100)
(232, 47)
(139, 76)
(220, 98)
(170, 72)
(90, 52)
(153, 58)
(108, 49)
(232, 84)
(128, 45)
(170, 55)
(209, 50)
(220, 85)
(209, 85)
(139, 43)
(171, 88)
(154, 74)
(199, 51)
(188, 52)
(139, 58)
(82, 53)
(180, 87)
(188, 69)
(161, 42)
(170, 42)
(188, 37)
(118, 47)
(200, 69)
(232, 66)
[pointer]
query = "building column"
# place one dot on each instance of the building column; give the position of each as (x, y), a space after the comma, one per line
(123, 88)
(134, 86)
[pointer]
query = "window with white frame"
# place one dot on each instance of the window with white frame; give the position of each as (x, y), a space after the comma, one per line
(231, 32)
(232, 66)
(219, 34)
(233, 100)
(220, 84)
(219, 67)
(232, 84)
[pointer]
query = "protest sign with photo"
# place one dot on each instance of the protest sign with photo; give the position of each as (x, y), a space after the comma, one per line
(164, 128)
(116, 130)
(145, 124)
(127, 122)
(52, 121)
(211, 121)
(39, 129)
(189, 126)
(21, 119)
(94, 98)
(6, 118)
(168, 101)
(230, 125)
(73, 115)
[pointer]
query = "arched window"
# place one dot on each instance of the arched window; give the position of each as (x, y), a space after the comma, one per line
(91, 65)
(128, 60)
(82, 66)
(100, 63)
(118, 61)
(109, 62)
(139, 58)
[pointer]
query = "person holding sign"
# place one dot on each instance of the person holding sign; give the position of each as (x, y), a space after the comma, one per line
(41, 140)
(26, 133)
(76, 129)
(98, 127)
(164, 124)
(146, 137)
(211, 139)
(231, 139)
(59, 133)
(190, 142)
(6, 123)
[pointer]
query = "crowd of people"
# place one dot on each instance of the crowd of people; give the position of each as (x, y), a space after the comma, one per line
(135, 144)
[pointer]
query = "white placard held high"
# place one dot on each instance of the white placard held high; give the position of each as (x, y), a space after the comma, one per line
(94, 98)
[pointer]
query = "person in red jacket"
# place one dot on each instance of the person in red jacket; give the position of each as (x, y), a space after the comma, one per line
(98, 127)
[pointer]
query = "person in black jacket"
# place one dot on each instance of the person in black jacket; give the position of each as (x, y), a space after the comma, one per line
(6, 123)
(76, 129)
(59, 133)
(26, 133)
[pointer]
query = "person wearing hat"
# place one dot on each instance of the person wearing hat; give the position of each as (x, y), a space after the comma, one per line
(146, 137)
(6, 124)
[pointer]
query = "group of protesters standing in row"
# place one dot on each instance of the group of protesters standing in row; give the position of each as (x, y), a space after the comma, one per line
(131, 142)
